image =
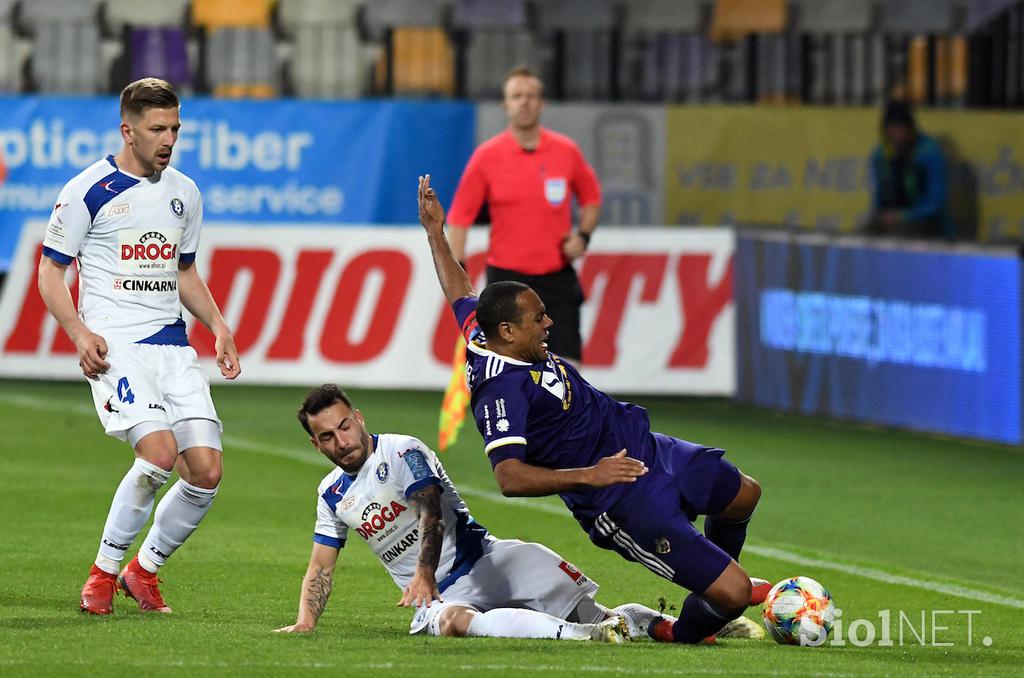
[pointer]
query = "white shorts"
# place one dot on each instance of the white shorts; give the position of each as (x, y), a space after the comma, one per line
(150, 382)
(511, 573)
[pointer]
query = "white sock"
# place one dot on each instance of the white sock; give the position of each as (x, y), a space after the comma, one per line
(515, 623)
(133, 502)
(178, 515)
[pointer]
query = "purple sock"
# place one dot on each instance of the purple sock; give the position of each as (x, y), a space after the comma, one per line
(727, 535)
(697, 620)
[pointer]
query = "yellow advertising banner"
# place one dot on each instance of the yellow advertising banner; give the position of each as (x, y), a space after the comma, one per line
(809, 167)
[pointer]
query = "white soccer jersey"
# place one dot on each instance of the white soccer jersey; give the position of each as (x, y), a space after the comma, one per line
(374, 503)
(128, 234)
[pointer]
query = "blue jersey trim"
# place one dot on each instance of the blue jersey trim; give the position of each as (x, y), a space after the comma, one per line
(168, 335)
(469, 547)
(333, 494)
(333, 542)
(187, 258)
(106, 189)
(59, 257)
(420, 484)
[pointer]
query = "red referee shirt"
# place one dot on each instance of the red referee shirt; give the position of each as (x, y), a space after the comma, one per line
(528, 194)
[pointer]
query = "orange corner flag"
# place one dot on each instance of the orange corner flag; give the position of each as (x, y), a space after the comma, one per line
(456, 398)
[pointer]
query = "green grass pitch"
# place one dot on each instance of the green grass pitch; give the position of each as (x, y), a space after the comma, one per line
(888, 521)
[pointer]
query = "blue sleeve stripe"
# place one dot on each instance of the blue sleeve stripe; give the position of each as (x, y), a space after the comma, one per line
(59, 257)
(186, 258)
(333, 542)
(420, 484)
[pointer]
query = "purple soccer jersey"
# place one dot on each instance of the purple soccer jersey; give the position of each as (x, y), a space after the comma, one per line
(546, 414)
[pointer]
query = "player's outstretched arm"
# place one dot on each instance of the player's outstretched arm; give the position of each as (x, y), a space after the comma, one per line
(196, 297)
(92, 348)
(519, 479)
(316, 589)
(455, 282)
(422, 589)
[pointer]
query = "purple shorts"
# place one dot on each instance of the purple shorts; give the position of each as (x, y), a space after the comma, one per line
(653, 522)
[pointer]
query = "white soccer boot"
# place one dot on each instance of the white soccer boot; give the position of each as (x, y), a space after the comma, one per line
(741, 627)
(612, 630)
(638, 619)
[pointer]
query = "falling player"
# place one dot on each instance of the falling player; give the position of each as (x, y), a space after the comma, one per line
(547, 431)
(133, 223)
(392, 491)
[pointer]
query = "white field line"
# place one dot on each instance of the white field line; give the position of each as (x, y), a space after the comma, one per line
(542, 506)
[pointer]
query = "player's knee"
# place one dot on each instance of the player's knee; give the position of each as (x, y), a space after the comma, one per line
(730, 594)
(733, 599)
(454, 621)
(207, 478)
(754, 490)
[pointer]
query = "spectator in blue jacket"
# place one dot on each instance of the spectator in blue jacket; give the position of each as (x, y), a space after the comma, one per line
(909, 183)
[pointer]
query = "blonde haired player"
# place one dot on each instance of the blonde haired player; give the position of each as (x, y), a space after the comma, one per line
(133, 224)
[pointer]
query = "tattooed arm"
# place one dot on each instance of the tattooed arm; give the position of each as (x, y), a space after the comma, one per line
(316, 589)
(423, 587)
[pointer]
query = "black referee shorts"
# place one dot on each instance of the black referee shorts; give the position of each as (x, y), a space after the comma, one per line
(562, 296)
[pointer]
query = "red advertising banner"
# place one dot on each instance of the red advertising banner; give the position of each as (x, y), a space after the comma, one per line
(361, 306)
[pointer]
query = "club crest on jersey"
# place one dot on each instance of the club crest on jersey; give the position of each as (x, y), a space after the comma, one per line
(382, 471)
(177, 208)
(552, 384)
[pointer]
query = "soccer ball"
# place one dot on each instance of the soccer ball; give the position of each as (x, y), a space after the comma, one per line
(799, 611)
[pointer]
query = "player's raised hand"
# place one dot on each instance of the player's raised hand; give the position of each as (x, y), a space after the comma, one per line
(422, 590)
(430, 209)
(227, 355)
(92, 353)
(617, 468)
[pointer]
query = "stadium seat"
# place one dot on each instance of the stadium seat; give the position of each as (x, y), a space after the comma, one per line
(982, 12)
(582, 32)
(732, 20)
(241, 62)
(327, 58)
(149, 13)
(239, 50)
(494, 38)
(154, 39)
(665, 53)
(911, 26)
(67, 54)
(845, 57)
(753, 32)
(418, 58)
(10, 51)
(213, 14)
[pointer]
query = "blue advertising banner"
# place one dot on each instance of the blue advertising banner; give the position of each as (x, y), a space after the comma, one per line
(281, 162)
(929, 340)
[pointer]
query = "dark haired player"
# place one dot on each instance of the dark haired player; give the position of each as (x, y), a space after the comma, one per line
(547, 431)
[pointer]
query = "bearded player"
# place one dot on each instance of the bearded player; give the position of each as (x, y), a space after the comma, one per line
(393, 493)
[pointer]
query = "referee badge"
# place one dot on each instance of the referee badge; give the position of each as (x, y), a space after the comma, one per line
(662, 546)
(555, 190)
(177, 208)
